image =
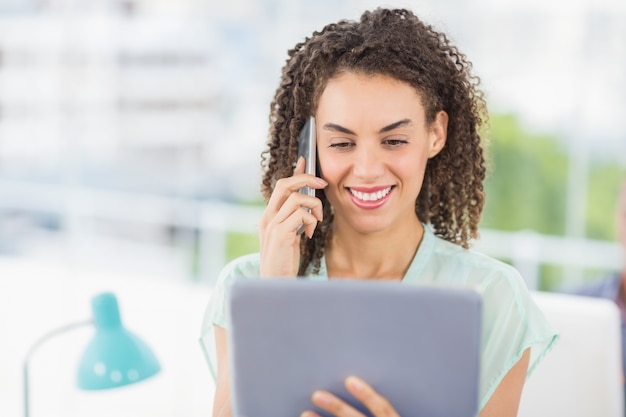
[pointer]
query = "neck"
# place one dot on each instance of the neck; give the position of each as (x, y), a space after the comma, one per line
(385, 255)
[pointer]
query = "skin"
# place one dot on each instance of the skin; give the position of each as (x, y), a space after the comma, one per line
(373, 137)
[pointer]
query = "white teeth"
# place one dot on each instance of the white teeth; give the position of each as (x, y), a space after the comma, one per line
(370, 196)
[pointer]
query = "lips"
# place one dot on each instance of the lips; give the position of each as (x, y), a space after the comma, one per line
(370, 197)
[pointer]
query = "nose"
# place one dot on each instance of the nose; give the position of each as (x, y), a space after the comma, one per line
(368, 164)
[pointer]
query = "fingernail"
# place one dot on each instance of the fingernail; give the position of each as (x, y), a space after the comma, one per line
(321, 398)
(355, 383)
(321, 182)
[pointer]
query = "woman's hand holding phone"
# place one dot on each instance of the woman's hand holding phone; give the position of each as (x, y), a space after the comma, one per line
(286, 211)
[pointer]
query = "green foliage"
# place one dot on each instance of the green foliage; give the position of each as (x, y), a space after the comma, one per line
(526, 188)
(526, 182)
(550, 277)
(605, 179)
(238, 244)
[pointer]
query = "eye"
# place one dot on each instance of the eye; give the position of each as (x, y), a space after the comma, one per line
(395, 143)
(341, 145)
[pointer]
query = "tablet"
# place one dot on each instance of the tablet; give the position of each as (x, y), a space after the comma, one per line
(419, 346)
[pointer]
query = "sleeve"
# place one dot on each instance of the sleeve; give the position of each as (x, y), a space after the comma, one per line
(512, 322)
(215, 313)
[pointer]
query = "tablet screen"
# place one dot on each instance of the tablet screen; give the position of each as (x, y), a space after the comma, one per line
(419, 346)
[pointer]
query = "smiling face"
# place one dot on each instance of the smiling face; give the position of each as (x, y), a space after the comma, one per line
(373, 143)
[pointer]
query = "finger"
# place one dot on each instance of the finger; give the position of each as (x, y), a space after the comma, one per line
(288, 224)
(310, 224)
(300, 166)
(334, 405)
(297, 201)
(309, 413)
(317, 209)
(376, 403)
(286, 186)
(298, 221)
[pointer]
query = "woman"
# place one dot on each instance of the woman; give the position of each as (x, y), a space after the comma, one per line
(399, 193)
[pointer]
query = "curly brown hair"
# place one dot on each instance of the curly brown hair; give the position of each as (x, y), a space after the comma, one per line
(393, 43)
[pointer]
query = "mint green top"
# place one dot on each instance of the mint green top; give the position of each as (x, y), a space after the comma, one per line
(512, 322)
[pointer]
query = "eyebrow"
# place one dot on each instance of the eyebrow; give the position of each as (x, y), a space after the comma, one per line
(338, 128)
(400, 123)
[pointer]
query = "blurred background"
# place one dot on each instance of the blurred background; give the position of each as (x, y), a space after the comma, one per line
(130, 136)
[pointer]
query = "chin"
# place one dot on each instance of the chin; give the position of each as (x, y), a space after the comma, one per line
(369, 227)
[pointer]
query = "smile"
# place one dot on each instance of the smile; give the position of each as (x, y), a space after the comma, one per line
(374, 196)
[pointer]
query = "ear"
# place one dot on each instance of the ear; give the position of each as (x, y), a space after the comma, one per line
(438, 133)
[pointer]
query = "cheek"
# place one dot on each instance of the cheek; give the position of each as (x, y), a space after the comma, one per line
(412, 167)
(329, 168)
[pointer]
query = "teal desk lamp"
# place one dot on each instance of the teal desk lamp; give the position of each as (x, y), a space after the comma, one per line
(113, 358)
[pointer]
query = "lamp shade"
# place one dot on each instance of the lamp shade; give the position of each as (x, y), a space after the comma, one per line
(114, 357)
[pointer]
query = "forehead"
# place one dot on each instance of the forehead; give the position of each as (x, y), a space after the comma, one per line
(364, 93)
(372, 80)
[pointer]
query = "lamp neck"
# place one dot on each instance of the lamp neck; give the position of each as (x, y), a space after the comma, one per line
(54, 333)
(106, 313)
(34, 348)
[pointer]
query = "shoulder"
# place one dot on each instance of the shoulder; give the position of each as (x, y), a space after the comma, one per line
(501, 285)
(243, 266)
(246, 266)
(472, 267)
(511, 321)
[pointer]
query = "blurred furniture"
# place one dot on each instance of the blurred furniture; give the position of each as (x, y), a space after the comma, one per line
(582, 375)
(113, 358)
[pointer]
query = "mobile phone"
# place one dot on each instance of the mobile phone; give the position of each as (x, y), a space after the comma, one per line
(306, 148)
